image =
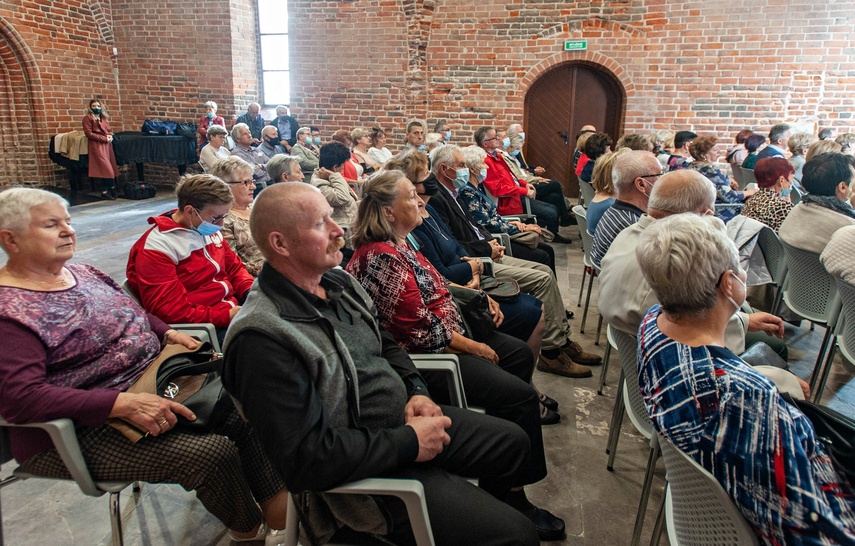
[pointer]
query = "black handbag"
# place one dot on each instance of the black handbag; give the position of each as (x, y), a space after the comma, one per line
(834, 430)
(474, 310)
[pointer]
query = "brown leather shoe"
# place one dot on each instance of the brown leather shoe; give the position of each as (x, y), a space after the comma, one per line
(575, 353)
(562, 366)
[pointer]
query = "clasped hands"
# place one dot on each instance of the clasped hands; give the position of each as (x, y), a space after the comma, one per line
(430, 424)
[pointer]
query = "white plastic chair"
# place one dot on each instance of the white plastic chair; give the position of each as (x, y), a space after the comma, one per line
(811, 293)
(737, 175)
(589, 268)
(587, 193)
(630, 402)
(610, 342)
(776, 262)
(747, 177)
(844, 338)
(697, 509)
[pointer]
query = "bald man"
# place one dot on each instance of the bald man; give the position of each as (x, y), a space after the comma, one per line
(335, 399)
(253, 120)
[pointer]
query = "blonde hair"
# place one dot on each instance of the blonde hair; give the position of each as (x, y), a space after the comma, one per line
(601, 177)
(822, 147)
(371, 225)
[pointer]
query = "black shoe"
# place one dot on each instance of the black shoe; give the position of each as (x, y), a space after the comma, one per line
(550, 403)
(561, 240)
(114, 192)
(549, 417)
(569, 314)
(549, 527)
(569, 220)
(106, 196)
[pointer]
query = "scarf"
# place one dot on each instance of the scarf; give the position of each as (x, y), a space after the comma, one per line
(830, 202)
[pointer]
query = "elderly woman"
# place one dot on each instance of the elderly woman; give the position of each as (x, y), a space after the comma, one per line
(753, 144)
(847, 143)
(415, 306)
(80, 343)
(579, 157)
(210, 118)
(237, 173)
(705, 154)
(216, 148)
(361, 138)
(181, 268)
(378, 151)
(822, 147)
(663, 143)
(799, 144)
(330, 180)
(725, 415)
(771, 204)
(737, 153)
(102, 159)
(604, 189)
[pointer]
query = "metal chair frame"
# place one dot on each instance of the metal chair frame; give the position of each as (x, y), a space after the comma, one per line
(589, 267)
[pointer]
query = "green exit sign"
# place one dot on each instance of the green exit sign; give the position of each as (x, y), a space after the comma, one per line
(576, 45)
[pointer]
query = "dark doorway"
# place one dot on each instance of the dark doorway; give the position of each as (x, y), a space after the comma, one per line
(559, 103)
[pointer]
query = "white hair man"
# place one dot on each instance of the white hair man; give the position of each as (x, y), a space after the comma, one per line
(307, 154)
(244, 150)
(253, 120)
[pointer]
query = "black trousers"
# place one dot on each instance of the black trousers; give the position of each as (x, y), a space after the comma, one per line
(552, 193)
(482, 447)
(543, 254)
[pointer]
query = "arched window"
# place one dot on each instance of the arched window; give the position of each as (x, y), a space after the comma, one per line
(273, 34)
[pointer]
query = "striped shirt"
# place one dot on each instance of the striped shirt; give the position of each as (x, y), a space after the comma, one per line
(620, 216)
(732, 421)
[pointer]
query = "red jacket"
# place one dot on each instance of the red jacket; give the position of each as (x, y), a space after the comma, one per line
(502, 184)
(181, 276)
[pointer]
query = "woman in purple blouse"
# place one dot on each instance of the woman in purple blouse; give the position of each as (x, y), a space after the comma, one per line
(80, 342)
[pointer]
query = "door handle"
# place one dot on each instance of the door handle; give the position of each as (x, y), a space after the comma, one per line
(566, 136)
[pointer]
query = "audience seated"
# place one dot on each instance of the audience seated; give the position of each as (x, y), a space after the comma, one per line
(634, 173)
(825, 208)
(237, 173)
(209, 118)
(705, 154)
(253, 120)
(724, 414)
(847, 143)
(328, 178)
(737, 153)
(415, 306)
(415, 137)
(752, 144)
(604, 189)
(270, 142)
(663, 143)
(216, 148)
(681, 158)
(545, 190)
(348, 402)
(634, 141)
(351, 170)
(285, 168)
(180, 268)
(378, 151)
(779, 135)
(244, 150)
(287, 127)
(361, 137)
(771, 204)
(596, 145)
(578, 163)
(80, 342)
(560, 355)
(798, 145)
(305, 152)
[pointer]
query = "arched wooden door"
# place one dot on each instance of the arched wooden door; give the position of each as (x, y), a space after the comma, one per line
(558, 105)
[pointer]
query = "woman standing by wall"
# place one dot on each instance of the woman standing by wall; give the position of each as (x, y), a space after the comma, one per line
(102, 159)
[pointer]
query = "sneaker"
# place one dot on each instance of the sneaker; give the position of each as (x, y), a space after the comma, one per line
(275, 537)
(575, 353)
(562, 365)
(259, 536)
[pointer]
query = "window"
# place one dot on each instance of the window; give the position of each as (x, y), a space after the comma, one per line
(273, 32)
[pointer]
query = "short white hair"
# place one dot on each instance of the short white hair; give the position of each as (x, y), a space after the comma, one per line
(267, 129)
(212, 104)
(444, 156)
(683, 257)
(683, 190)
(16, 203)
(515, 129)
(432, 138)
(236, 130)
(474, 156)
(630, 166)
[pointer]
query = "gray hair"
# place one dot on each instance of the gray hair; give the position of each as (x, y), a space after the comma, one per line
(432, 138)
(303, 130)
(16, 202)
(267, 129)
(236, 130)
(683, 257)
(800, 142)
(227, 169)
(515, 129)
(628, 167)
(660, 138)
(281, 107)
(212, 104)
(216, 130)
(474, 156)
(516, 142)
(444, 156)
(682, 191)
(777, 132)
(278, 165)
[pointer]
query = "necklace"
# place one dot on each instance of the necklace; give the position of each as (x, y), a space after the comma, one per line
(56, 282)
(435, 227)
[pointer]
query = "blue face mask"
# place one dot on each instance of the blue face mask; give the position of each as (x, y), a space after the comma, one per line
(462, 178)
(522, 136)
(316, 140)
(210, 115)
(448, 135)
(786, 191)
(482, 176)
(205, 229)
(422, 148)
(506, 142)
(515, 153)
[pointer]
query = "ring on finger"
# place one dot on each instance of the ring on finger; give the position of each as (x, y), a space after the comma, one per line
(164, 422)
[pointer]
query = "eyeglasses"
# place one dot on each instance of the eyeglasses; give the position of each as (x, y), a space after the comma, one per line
(649, 175)
(494, 138)
(248, 182)
(214, 219)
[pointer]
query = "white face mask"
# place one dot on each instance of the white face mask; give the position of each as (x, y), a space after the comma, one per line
(744, 289)
(482, 175)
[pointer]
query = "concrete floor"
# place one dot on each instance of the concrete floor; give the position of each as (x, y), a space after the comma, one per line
(598, 506)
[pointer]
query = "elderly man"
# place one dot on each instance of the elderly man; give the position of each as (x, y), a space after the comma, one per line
(284, 168)
(509, 189)
(415, 137)
(625, 296)
(335, 399)
(305, 152)
(517, 129)
(287, 127)
(443, 129)
(270, 142)
(243, 149)
(633, 176)
(253, 120)
(559, 355)
(779, 136)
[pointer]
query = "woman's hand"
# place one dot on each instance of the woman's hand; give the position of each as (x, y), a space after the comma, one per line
(475, 283)
(495, 311)
(484, 351)
(749, 193)
(734, 185)
(519, 225)
(323, 173)
(174, 337)
(149, 412)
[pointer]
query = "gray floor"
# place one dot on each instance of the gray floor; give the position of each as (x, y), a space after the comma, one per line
(598, 506)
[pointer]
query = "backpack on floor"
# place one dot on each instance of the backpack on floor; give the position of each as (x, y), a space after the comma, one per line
(139, 190)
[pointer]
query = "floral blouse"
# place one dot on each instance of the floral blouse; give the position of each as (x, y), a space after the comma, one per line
(767, 207)
(724, 194)
(237, 235)
(483, 211)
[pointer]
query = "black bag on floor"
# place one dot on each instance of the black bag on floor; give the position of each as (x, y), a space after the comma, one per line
(138, 189)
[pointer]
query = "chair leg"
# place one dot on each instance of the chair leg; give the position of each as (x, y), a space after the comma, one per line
(603, 370)
(599, 330)
(776, 301)
(582, 288)
(587, 304)
(292, 529)
(137, 487)
(645, 492)
(660, 523)
(820, 358)
(116, 518)
(614, 426)
(826, 371)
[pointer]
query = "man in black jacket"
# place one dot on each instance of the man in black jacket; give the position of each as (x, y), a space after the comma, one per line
(335, 399)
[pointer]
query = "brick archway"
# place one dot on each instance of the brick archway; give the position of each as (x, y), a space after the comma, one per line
(591, 58)
(23, 141)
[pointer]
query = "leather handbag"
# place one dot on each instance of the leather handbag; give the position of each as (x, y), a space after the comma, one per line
(474, 310)
(505, 290)
(527, 238)
(191, 378)
(834, 430)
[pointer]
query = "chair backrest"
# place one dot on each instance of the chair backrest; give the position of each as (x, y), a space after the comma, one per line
(126, 286)
(846, 332)
(737, 175)
(795, 197)
(747, 177)
(810, 290)
(486, 192)
(627, 347)
(700, 512)
(588, 192)
(587, 241)
(773, 254)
